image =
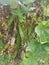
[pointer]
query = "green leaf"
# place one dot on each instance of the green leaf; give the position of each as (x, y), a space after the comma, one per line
(29, 1)
(18, 43)
(20, 16)
(11, 20)
(46, 46)
(18, 40)
(30, 60)
(6, 58)
(1, 35)
(1, 44)
(37, 50)
(24, 9)
(34, 53)
(47, 24)
(14, 12)
(42, 33)
(1, 59)
(21, 32)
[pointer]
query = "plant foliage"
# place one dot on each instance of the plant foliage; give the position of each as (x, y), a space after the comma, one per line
(27, 31)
